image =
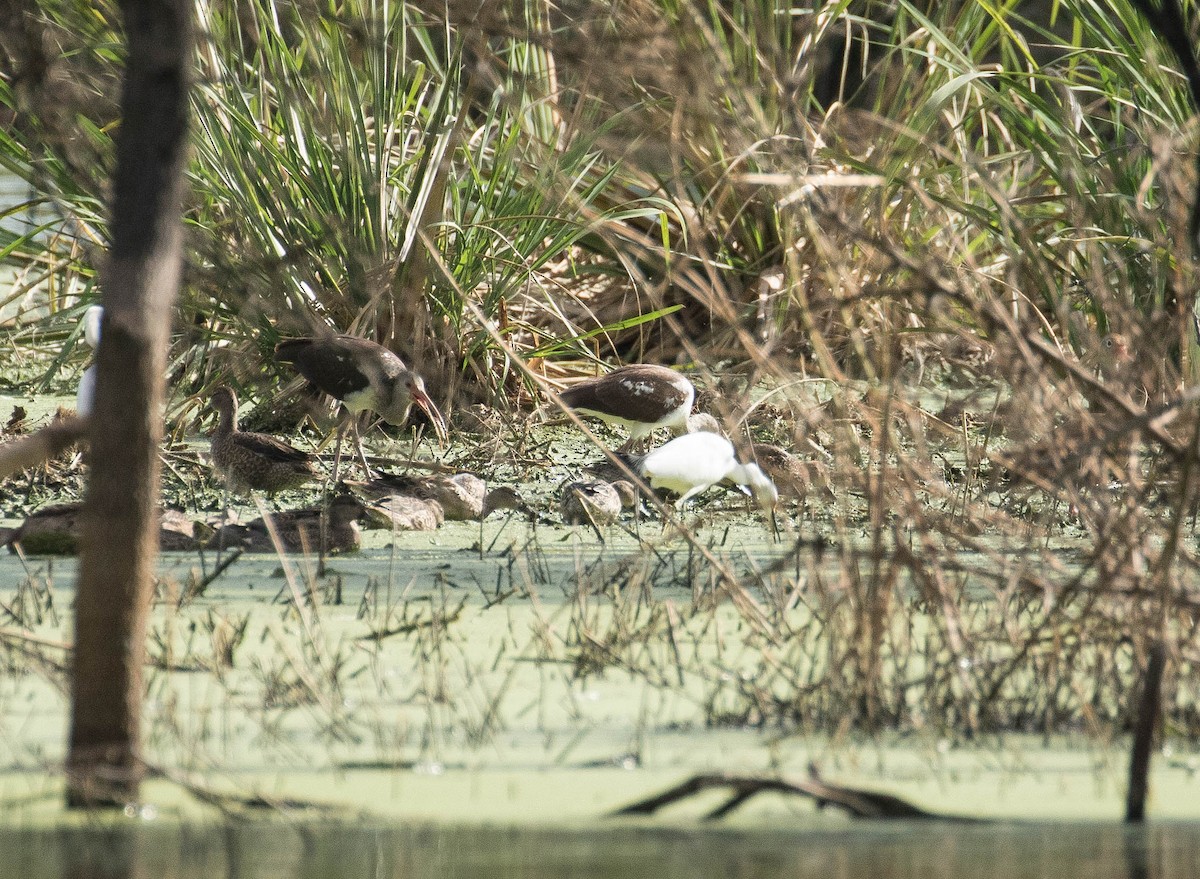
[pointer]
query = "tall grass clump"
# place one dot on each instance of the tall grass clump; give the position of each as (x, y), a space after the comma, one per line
(368, 179)
(351, 170)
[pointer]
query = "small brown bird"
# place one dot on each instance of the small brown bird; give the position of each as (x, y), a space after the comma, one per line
(364, 376)
(251, 461)
(1110, 356)
(461, 496)
(55, 530)
(642, 397)
(299, 530)
(595, 502)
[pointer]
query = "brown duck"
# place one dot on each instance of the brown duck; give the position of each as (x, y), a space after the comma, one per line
(55, 530)
(255, 460)
(462, 496)
(596, 502)
(299, 530)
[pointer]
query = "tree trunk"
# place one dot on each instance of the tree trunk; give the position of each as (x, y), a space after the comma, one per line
(119, 539)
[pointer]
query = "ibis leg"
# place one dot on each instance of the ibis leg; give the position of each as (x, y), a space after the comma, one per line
(362, 458)
(337, 453)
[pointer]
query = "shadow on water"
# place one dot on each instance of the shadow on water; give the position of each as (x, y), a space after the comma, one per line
(896, 850)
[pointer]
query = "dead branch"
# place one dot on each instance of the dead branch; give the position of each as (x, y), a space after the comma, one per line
(859, 803)
(37, 448)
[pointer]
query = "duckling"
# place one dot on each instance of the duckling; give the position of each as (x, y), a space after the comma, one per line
(299, 530)
(462, 496)
(596, 502)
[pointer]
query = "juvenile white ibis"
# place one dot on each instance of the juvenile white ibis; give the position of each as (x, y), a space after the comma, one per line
(642, 397)
(364, 376)
(689, 464)
(87, 382)
(255, 460)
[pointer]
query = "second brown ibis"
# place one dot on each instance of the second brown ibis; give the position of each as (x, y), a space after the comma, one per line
(642, 397)
(364, 376)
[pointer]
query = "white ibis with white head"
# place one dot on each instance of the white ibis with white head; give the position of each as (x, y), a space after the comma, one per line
(689, 464)
(642, 397)
(87, 382)
(364, 376)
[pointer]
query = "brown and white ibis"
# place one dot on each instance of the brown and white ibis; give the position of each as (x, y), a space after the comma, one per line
(642, 397)
(251, 461)
(364, 376)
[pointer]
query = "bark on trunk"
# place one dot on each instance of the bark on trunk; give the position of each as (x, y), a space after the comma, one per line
(119, 535)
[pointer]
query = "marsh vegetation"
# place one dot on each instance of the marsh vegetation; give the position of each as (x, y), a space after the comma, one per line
(941, 252)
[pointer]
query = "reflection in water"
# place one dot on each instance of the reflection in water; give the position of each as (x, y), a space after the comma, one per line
(1137, 856)
(863, 850)
(108, 853)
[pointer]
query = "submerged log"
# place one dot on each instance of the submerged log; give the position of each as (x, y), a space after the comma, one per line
(857, 802)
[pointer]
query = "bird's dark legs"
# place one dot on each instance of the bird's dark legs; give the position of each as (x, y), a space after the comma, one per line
(337, 453)
(224, 521)
(362, 458)
(634, 444)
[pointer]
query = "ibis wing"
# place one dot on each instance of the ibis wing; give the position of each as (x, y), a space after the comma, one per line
(629, 394)
(328, 364)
